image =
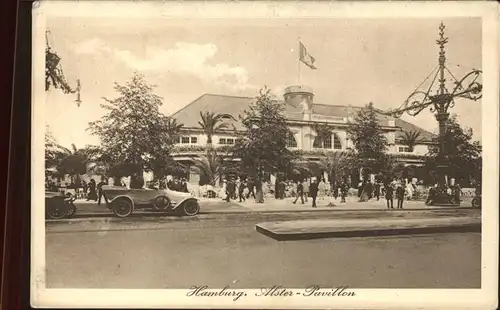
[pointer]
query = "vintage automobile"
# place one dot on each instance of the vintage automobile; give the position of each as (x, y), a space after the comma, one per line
(59, 205)
(123, 201)
(440, 197)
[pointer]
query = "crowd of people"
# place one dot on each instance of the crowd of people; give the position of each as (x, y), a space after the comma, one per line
(241, 189)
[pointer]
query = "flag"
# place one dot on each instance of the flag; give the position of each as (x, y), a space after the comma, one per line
(305, 57)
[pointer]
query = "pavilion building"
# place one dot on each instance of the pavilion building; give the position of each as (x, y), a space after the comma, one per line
(302, 113)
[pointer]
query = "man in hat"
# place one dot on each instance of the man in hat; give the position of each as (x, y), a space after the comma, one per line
(313, 190)
(389, 195)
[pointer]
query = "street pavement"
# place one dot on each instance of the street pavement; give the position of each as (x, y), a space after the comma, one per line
(224, 249)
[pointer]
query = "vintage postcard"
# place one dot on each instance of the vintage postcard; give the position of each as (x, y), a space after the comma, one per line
(265, 155)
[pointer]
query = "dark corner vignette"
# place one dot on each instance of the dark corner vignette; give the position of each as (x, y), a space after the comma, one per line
(15, 286)
(8, 9)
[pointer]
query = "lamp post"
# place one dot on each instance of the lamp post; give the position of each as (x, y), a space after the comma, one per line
(469, 87)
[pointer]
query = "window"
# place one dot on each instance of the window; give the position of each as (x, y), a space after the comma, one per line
(226, 141)
(290, 141)
(326, 143)
(403, 149)
(177, 139)
(336, 142)
(194, 140)
(185, 140)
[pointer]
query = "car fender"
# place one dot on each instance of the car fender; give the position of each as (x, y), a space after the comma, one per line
(122, 196)
(179, 203)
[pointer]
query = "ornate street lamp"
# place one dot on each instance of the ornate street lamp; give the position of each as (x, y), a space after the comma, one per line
(469, 87)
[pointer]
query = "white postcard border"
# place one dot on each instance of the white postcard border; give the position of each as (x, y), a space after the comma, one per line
(366, 298)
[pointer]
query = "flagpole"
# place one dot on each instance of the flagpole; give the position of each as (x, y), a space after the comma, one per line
(298, 62)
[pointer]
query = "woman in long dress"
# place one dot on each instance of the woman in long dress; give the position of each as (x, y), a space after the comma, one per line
(223, 190)
(409, 191)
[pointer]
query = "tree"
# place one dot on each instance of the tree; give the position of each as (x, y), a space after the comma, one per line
(74, 163)
(410, 139)
(368, 138)
(209, 167)
(462, 154)
(172, 128)
(323, 134)
(133, 132)
(213, 122)
(337, 165)
(262, 146)
(54, 152)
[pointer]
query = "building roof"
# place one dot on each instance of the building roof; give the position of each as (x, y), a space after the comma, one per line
(234, 105)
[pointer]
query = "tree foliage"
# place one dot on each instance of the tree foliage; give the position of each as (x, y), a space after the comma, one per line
(210, 167)
(54, 76)
(368, 138)
(134, 133)
(213, 122)
(54, 152)
(337, 164)
(410, 138)
(323, 133)
(262, 147)
(463, 155)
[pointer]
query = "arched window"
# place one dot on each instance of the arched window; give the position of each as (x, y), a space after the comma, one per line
(337, 145)
(320, 144)
(290, 141)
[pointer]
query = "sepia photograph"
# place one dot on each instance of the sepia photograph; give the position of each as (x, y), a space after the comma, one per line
(264, 155)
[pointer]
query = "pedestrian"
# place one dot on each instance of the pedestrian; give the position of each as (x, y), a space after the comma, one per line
(431, 195)
(360, 189)
(241, 190)
(300, 193)
(400, 195)
(458, 193)
(313, 190)
(322, 189)
(305, 186)
(389, 195)
(251, 188)
(369, 190)
(344, 189)
(377, 190)
(92, 191)
(101, 192)
(281, 189)
(230, 190)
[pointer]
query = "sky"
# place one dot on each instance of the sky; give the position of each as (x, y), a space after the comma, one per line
(359, 61)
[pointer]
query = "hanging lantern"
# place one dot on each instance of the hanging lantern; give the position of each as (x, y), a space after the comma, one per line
(78, 87)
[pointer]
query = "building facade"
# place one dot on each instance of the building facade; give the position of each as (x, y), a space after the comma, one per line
(302, 114)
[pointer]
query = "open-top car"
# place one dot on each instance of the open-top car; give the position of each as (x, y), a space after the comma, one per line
(59, 205)
(123, 201)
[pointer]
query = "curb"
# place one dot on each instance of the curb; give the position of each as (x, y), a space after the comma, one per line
(459, 228)
(109, 217)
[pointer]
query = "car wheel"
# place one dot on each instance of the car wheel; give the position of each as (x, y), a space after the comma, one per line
(161, 203)
(191, 207)
(474, 203)
(56, 208)
(122, 207)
